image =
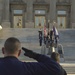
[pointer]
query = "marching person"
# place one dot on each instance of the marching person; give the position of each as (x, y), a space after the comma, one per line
(40, 37)
(56, 35)
(51, 38)
(45, 34)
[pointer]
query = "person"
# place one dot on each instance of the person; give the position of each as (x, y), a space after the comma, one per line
(40, 40)
(51, 38)
(40, 37)
(56, 35)
(45, 34)
(60, 50)
(56, 57)
(48, 39)
(11, 65)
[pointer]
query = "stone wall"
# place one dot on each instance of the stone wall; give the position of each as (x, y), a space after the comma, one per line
(51, 6)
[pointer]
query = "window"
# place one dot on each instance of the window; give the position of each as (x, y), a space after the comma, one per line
(41, 12)
(61, 12)
(18, 11)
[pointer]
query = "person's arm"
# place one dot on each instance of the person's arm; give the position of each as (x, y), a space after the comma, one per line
(31, 54)
(46, 64)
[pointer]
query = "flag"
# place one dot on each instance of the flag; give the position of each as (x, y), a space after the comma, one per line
(45, 30)
(56, 34)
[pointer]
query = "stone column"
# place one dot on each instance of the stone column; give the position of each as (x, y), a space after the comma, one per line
(73, 13)
(1, 9)
(29, 13)
(52, 12)
(6, 21)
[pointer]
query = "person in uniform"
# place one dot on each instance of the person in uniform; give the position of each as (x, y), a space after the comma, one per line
(51, 38)
(40, 37)
(11, 65)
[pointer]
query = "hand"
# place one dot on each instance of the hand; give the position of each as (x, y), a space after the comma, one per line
(26, 50)
(28, 53)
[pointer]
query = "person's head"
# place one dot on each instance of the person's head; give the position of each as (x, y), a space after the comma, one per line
(55, 56)
(12, 47)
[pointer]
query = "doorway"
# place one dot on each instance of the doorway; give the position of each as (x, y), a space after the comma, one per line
(61, 21)
(17, 21)
(39, 21)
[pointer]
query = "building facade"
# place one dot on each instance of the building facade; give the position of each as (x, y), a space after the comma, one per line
(36, 13)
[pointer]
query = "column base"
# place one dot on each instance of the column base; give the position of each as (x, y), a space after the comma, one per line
(73, 25)
(6, 24)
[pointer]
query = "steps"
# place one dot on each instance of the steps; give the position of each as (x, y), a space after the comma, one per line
(29, 39)
(67, 39)
(69, 67)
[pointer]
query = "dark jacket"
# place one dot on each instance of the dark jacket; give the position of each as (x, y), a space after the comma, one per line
(45, 66)
(63, 72)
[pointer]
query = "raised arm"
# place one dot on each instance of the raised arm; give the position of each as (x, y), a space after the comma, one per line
(46, 64)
